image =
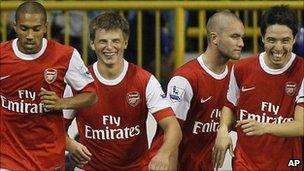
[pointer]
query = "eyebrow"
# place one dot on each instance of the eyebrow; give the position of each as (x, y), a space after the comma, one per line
(23, 25)
(279, 38)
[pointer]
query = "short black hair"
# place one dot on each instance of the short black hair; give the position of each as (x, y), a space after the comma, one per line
(109, 21)
(282, 15)
(30, 7)
(216, 21)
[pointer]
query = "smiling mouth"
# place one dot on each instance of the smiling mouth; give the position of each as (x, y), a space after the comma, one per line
(277, 55)
(109, 54)
(29, 44)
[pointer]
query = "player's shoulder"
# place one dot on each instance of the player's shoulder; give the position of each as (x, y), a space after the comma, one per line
(6, 44)
(299, 59)
(6, 49)
(137, 71)
(298, 63)
(247, 62)
(54, 44)
(188, 69)
(249, 59)
(91, 68)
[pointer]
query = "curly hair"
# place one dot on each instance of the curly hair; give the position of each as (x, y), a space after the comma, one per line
(281, 15)
(109, 21)
(30, 7)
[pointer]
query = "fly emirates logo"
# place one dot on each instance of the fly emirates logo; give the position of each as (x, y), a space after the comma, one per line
(264, 118)
(111, 133)
(27, 103)
(200, 127)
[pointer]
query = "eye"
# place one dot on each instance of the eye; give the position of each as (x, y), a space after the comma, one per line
(36, 29)
(102, 41)
(116, 41)
(270, 40)
(23, 28)
(286, 41)
(235, 36)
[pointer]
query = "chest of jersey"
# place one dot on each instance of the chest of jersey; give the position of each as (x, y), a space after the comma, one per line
(271, 99)
(21, 80)
(121, 109)
(208, 99)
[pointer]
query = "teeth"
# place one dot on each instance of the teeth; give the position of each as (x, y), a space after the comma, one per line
(109, 54)
(277, 54)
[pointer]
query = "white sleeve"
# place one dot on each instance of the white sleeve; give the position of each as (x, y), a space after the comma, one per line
(300, 96)
(180, 93)
(77, 75)
(68, 113)
(155, 96)
(233, 93)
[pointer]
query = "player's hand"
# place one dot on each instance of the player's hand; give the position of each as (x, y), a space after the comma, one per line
(223, 142)
(251, 127)
(50, 100)
(79, 153)
(159, 162)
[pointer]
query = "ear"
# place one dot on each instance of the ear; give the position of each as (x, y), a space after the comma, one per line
(15, 26)
(294, 39)
(92, 45)
(44, 27)
(263, 39)
(126, 44)
(214, 38)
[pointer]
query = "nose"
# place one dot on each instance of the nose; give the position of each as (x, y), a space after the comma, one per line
(278, 45)
(241, 42)
(109, 45)
(30, 34)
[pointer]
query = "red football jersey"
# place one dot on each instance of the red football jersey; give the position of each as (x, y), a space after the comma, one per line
(32, 138)
(268, 96)
(114, 129)
(196, 95)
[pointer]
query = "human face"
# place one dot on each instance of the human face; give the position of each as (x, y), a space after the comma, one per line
(230, 40)
(109, 46)
(30, 29)
(278, 42)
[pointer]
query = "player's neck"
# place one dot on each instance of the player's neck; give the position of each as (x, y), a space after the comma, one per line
(110, 72)
(214, 62)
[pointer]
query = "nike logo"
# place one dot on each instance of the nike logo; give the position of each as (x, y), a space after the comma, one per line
(4, 77)
(247, 89)
(204, 100)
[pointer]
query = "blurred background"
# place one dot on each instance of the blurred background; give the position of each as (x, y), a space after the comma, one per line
(164, 34)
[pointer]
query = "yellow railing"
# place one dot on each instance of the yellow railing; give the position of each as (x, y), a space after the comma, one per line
(178, 6)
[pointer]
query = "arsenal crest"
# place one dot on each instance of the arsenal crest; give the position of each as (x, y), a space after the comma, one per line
(290, 88)
(133, 98)
(50, 75)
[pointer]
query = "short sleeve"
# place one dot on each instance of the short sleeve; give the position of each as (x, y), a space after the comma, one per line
(300, 96)
(180, 93)
(78, 75)
(155, 96)
(233, 92)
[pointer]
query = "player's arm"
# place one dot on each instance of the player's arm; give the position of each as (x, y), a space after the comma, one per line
(223, 140)
(78, 77)
(164, 115)
(172, 138)
(79, 153)
(179, 94)
(51, 101)
(288, 129)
